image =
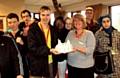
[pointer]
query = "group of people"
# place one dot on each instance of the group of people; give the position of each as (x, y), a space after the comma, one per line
(28, 48)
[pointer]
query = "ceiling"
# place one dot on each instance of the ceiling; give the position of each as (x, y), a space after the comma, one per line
(50, 3)
(34, 5)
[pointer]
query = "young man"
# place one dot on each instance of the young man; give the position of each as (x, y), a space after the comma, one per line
(42, 39)
(24, 26)
(26, 17)
(9, 62)
(91, 24)
(17, 35)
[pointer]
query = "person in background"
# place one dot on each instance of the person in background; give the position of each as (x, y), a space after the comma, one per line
(68, 23)
(17, 35)
(9, 60)
(80, 60)
(104, 36)
(26, 17)
(42, 39)
(92, 25)
(24, 27)
(59, 23)
(36, 20)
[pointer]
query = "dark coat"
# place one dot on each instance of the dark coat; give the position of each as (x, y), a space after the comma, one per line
(94, 26)
(23, 52)
(39, 51)
(9, 62)
(24, 38)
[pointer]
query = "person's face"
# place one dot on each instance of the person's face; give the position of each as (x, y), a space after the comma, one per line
(89, 14)
(45, 16)
(13, 23)
(77, 23)
(68, 24)
(106, 22)
(59, 24)
(25, 17)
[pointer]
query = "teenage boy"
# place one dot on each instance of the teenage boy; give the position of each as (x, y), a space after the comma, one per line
(91, 24)
(42, 39)
(17, 35)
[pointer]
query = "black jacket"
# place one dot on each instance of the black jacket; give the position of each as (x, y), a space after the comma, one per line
(9, 62)
(62, 36)
(24, 38)
(39, 51)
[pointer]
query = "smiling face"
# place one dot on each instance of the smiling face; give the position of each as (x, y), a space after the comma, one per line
(78, 24)
(79, 21)
(68, 24)
(59, 24)
(13, 23)
(106, 22)
(45, 16)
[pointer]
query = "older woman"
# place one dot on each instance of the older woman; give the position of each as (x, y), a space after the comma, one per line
(80, 60)
(108, 38)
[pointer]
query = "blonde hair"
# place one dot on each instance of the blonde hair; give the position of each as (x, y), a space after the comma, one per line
(80, 17)
(43, 8)
(89, 9)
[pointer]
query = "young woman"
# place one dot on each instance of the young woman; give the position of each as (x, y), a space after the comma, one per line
(108, 38)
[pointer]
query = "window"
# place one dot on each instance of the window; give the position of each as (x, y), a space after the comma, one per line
(32, 16)
(52, 18)
(36, 15)
(83, 13)
(115, 14)
(69, 14)
(74, 13)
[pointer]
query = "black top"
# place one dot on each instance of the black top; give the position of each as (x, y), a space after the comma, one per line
(9, 62)
(39, 50)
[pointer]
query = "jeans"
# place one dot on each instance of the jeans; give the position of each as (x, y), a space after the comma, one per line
(62, 68)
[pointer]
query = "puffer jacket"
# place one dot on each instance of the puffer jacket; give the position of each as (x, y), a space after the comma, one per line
(9, 61)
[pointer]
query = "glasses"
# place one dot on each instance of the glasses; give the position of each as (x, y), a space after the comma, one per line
(107, 21)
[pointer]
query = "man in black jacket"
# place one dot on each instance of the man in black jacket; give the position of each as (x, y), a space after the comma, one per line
(9, 61)
(42, 39)
(24, 27)
(17, 35)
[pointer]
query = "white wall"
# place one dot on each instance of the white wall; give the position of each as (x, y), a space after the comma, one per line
(8, 6)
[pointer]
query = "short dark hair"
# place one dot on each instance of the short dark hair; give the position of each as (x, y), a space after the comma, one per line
(24, 11)
(12, 15)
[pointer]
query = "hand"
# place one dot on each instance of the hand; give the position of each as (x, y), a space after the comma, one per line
(25, 32)
(75, 49)
(19, 76)
(54, 51)
(30, 22)
(19, 40)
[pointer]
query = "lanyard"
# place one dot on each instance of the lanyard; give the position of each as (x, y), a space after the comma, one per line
(46, 37)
